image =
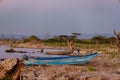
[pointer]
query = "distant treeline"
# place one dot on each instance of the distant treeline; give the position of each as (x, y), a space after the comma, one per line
(94, 40)
(57, 39)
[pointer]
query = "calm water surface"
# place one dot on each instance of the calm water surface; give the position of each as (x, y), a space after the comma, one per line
(3, 54)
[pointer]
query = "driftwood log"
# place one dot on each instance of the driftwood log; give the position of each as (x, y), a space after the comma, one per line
(11, 69)
(60, 52)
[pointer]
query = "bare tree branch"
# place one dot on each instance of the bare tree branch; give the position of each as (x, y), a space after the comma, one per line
(117, 34)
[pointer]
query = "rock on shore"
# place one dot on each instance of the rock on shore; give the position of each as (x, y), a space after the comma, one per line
(10, 69)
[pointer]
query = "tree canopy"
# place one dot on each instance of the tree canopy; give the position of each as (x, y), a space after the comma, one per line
(33, 37)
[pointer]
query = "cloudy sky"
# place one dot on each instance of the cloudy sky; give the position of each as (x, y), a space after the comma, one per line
(59, 16)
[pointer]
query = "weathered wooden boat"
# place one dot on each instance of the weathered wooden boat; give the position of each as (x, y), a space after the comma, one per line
(60, 60)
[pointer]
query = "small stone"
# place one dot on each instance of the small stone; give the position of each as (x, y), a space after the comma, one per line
(96, 78)
(30, 76)
(118, 71)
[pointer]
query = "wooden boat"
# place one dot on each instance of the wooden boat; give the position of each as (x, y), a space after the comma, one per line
(61, 60)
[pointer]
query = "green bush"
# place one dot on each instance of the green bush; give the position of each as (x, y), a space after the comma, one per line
(33, 37)
(91, 68)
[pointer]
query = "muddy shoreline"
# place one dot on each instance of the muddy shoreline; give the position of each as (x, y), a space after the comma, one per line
(106, 66)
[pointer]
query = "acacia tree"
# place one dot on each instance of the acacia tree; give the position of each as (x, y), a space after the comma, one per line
(67, 39)
(111, 40)
(98, 39)
(70, 39)
(76, 35)
(117, 34)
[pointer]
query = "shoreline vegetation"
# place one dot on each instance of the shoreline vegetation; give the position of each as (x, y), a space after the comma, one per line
(104, 67)
(97, 43)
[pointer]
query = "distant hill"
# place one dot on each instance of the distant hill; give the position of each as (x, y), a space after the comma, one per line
(88, 36)
(82, 36)
(12, 36)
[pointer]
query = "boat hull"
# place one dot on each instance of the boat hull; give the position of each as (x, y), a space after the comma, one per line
(61, 60)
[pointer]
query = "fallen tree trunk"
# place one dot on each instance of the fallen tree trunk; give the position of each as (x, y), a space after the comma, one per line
(60, 52)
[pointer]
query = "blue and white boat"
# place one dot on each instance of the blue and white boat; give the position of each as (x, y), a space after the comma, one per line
(60, 60)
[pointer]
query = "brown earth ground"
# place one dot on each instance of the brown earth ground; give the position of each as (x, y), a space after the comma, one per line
(106, 66)
(103, 67)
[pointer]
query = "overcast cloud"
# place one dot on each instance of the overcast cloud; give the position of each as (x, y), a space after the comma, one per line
(59, 16)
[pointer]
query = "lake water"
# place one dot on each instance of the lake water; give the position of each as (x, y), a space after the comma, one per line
(3, 54)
